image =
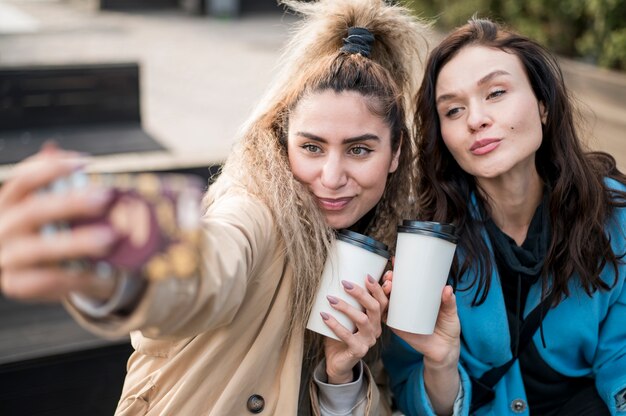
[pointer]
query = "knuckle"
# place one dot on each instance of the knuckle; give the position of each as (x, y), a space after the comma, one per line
(362, 319)
(361, 350)
(376, 308)
(371, 343)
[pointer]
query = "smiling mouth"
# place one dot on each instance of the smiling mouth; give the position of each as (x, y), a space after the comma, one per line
(484, 146)
(334, 204)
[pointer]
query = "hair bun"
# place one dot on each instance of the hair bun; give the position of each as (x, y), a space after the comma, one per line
(359, 40)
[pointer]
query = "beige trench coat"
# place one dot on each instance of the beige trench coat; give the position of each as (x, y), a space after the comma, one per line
(216, 345)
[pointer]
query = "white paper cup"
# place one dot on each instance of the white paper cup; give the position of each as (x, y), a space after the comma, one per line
(352, 257)
(424, 254)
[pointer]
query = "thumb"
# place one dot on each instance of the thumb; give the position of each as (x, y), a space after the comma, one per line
(448, 302)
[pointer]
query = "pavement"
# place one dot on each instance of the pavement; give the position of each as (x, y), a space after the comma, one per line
(201, 75)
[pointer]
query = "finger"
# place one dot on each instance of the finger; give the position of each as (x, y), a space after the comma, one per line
(448, 301)
(368, 325)
(87, 241)
(357, 348)
(37, 172)
(338, 329)
(387, 286)
(50, 283)
(378, 293)
(50, 146)
(39, 209)
(365, 299)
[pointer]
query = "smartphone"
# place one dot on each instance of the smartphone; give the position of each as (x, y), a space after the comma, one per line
(155, 216)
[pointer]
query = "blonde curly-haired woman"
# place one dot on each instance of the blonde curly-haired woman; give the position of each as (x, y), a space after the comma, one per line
(328, 148)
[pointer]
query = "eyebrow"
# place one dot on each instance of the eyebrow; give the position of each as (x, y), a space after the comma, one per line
(360, 138)
(482, 81)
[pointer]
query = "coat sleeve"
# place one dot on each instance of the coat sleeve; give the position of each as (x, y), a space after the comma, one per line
(609, 363)
(405, 368)
(238, 236)
(365, 396)
(610, 358)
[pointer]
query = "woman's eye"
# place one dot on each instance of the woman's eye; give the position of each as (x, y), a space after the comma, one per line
(453, 111)
(311, 148)
(360, 151)
(495, 94)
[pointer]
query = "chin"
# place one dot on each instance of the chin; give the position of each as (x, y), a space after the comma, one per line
(338, 223)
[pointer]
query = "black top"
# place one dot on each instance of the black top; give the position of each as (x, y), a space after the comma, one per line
(519, 268)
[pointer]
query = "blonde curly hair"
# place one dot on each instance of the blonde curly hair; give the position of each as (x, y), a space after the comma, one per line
(312, 61)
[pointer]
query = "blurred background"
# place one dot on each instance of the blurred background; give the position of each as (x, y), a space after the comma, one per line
(164, 86)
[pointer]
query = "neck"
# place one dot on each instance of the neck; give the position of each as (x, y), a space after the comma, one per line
(513, 200)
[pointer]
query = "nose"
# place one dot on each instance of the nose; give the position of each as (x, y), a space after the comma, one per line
(477, 118)
(334, 174)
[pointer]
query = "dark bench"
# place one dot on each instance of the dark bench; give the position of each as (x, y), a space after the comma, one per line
(92, 108)
(51, 366)
(135, 4)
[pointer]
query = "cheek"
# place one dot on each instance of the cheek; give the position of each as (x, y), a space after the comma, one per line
(302, 169)
(373, 178)
(449, 140)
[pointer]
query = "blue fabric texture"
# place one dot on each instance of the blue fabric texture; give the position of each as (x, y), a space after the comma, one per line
(585, 337)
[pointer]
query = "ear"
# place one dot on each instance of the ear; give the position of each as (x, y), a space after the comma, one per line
(543, 112)
(396, 159)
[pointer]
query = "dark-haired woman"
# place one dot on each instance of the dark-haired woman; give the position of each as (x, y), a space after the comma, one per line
(537, 323)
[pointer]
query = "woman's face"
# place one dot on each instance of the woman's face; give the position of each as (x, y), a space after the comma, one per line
(342, 152)
(490, 118)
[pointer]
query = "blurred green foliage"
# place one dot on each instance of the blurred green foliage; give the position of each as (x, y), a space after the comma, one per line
(591, 30)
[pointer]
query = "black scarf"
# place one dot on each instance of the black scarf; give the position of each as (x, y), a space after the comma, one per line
(528, 258)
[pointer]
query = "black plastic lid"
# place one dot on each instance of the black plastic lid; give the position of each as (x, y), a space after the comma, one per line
(363, 241)
(437, 229)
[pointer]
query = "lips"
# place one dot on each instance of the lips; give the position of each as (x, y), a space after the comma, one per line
(334, 204)
(484, 146)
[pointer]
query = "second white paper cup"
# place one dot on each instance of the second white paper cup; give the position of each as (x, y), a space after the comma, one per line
(424, 254)
(352, 257)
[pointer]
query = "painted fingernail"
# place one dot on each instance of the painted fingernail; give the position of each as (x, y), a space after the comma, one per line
(347, 284)
(386, 283)
(332, 300)
(371, 279)
(325, 316)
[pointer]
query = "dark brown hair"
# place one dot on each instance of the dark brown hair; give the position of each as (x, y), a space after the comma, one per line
(580, 201)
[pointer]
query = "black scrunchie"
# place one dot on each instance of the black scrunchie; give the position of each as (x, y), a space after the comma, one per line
(359, 40)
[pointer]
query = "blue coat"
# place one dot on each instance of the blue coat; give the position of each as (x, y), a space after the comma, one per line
(585, 336)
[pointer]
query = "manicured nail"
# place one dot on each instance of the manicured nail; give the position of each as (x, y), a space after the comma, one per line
(332, 300)
(347, 284)
(325, 316)
(371, 279)
(386, 283)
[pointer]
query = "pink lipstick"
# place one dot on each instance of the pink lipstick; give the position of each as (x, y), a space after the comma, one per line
(484, 146)
(334, 204)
